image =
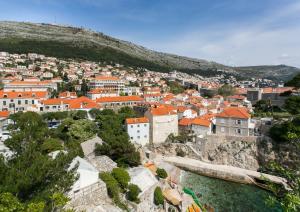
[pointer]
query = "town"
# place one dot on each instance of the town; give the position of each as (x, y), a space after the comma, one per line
(172, 120)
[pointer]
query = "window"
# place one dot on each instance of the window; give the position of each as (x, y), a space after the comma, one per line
(5, 95)
(138, 125)
(131, 126)
(138, 131)
(145, 136)
(19, 102)
(238, 131)
(4, 102)
(131, 138)
(139, 137)
(19, 95)
(32, 101)
(222, 129)
(222, 121)
(11, 100)
(26, 102)
(145, 125)
(238, 121)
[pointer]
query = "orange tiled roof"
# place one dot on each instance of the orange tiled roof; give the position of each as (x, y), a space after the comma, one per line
(23, 94)
(163, 110)
(238, 97)
(83, 103)
(137, 120)
(185, 122)
(4, 114)
(277, 90)
(234, 112)
(201, 122)
(101, 90)
(120, 99)
(67, 94)
(56, 101)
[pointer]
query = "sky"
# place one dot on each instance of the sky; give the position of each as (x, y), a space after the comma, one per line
(231, 32)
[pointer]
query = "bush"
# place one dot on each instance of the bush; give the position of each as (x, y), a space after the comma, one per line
(161, 173)
(113, 188)
(133, 193)
(158, 196)
(122, 176)
(51, 145)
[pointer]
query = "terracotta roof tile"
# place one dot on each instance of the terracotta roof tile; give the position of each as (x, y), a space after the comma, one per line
(137, 120)
(234, 112)
(120, 99)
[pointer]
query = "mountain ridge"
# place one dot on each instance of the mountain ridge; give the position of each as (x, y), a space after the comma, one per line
(21, 37)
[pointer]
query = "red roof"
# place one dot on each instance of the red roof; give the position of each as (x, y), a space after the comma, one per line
(56, 101)
(23, 94)
(137, 120)
(4, 114)
(234, 112)
(120, 99)
(83, 103)
(238, 97)
(195, 121)
(163, 110)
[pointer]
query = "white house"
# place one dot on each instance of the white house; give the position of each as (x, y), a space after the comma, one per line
(138, 130)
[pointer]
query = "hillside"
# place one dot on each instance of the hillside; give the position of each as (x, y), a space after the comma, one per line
(72, 42)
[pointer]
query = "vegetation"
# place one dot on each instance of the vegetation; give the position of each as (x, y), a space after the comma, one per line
(133, 193)
(161, 173)
(226, 90)
(81, 51)
(30, 178)
(122, 176)
(292, 105)
(287, 131)
(113, 189)
(175, 87)
(51, 144)
(158, 196)
(295, 82)
(116, 141)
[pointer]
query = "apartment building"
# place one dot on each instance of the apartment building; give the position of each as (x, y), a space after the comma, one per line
(119, 101)
(138, 130)
(107, 83)
(15, 101)
(234, 121)
(20, 86)
(163, 122)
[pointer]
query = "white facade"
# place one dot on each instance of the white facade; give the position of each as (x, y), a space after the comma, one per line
(138, 133)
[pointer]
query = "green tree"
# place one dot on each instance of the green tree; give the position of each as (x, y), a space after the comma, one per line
(226, 90)
(161, 173)
(158, 196)
(30, 174)
(51, 144)
(133, 193)
(9, 202)
(122, 176)
(295, 82)
(116, 143)
(292, 105)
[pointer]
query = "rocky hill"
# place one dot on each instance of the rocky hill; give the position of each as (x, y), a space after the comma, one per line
(72, 42)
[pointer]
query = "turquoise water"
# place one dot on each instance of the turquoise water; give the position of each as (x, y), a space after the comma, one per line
(227, 196)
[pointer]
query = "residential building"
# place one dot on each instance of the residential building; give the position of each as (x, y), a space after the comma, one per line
(163, 122)
(138, 130)
(107, 82)
(20, 100)
(30, 86)
(119, 101)
(234, 121)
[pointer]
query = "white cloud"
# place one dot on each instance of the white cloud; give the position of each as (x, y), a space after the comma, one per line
(272, 39)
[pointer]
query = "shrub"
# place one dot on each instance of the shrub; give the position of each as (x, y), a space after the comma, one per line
(161, 173)
(158, 196)
(51, 145)
(133, 193)
(113, 188)
(122, 176)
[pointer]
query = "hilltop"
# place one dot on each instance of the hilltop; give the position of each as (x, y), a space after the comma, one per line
(80, 43)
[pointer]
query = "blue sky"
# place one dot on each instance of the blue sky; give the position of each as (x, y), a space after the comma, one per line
(232, 32)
